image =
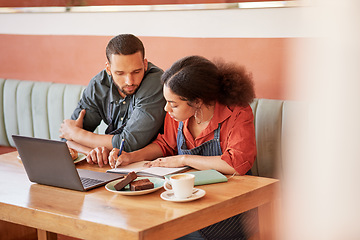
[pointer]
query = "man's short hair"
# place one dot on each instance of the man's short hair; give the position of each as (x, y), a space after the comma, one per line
(124, 44)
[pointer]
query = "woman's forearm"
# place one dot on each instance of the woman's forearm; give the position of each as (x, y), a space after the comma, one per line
(208, 162)
(148, 153)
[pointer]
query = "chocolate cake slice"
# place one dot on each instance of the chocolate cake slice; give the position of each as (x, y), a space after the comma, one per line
(125, 181)
(141, 184)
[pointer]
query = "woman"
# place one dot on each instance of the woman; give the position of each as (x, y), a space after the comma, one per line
(209, 125)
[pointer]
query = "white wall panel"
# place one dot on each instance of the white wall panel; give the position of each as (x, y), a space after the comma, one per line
(237, 23)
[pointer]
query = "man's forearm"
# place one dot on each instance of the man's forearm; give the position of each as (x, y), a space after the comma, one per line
(92, 140)
(78, 147)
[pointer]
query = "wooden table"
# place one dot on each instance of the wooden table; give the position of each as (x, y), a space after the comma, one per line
(100, 214)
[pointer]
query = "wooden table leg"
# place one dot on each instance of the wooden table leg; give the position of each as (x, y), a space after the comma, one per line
(45, 235)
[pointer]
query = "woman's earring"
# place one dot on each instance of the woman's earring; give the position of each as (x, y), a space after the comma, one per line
(198, 117)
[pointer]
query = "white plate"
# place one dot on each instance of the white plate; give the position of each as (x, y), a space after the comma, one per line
(169, 196)
(158, 183)
(80, 157)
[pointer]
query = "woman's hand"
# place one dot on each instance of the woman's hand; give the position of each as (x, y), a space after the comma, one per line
(98, 156)
(172, 162)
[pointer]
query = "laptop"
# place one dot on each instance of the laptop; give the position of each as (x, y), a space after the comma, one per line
(49, 162)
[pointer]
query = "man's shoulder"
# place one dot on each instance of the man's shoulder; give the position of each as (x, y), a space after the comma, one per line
(153, 72)
(152, 77)
(102, 78)
(152, 68)
(151, 84)
(98, 86)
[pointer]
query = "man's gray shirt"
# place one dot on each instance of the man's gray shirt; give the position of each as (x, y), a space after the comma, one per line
(136, 118)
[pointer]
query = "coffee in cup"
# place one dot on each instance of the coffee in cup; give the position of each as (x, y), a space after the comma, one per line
(181, 184)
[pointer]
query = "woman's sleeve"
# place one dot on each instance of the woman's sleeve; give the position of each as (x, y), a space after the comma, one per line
(167, 141)
(240, 151)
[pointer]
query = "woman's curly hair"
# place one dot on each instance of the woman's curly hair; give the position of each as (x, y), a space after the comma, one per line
(195, 77)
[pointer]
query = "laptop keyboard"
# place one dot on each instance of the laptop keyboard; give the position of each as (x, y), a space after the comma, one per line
(88, 182)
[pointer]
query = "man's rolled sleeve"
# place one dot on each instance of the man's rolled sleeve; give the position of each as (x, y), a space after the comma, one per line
(92, 116)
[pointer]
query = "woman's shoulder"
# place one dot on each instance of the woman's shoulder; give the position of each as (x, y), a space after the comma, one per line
(231, 114)
(239, 113)
(244, 108)
(234, 109)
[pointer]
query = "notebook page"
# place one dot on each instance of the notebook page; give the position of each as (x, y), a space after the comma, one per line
(140, 169)
(133, 167)
(162, 171)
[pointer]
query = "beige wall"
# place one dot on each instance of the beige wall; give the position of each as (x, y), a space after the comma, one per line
(69, 47)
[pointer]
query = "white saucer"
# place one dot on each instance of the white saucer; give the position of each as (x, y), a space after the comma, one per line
(169, 196)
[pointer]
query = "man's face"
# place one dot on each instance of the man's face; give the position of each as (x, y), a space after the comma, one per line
(127, 72)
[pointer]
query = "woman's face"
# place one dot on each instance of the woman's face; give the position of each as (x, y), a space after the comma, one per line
(177, 108)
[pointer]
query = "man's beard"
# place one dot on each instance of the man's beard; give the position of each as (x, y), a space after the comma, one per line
(126, 92)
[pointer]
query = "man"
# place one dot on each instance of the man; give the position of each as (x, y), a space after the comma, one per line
(126, 95)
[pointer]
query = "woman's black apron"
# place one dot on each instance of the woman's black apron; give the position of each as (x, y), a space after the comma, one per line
(240, 226)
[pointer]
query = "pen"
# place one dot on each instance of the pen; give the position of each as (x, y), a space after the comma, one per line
(121, 148)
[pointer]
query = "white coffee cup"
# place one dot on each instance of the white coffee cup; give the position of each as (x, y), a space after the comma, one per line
(181, 184)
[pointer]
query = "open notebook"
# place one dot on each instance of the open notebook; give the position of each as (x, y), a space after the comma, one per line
(142, 170)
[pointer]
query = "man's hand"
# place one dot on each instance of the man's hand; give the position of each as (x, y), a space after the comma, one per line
(98, 156)
(69, 127)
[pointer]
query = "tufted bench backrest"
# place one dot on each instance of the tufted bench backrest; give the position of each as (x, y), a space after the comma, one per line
(277, 124)
(37, 109)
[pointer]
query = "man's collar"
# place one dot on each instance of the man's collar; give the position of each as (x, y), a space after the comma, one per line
(115, 95)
